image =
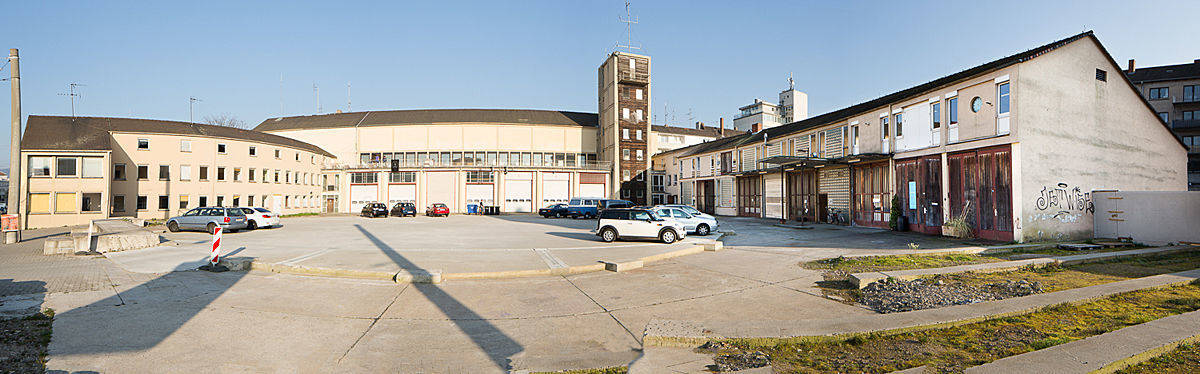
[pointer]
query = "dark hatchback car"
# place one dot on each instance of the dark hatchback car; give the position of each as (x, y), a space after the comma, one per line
(404, 209)
(373, 210)
(553, 210)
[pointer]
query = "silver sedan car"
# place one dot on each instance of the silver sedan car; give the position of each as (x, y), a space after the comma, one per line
(208, 219)
(692, 220)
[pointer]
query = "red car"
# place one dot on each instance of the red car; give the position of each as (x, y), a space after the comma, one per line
(437, 210)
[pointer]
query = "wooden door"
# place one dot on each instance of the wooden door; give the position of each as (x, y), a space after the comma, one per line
(802, 195)
(981, 188)
(919, 186)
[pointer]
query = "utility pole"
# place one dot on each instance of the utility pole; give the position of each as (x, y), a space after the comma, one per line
(14, 161)
(191, 100)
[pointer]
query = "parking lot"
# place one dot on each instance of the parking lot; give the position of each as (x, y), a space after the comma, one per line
(454, 244)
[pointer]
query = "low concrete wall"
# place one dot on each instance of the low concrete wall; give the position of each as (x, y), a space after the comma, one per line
(1152, 217)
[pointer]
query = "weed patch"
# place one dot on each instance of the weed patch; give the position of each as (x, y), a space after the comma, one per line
(23, 342)
(1184, 359)
(897, 262)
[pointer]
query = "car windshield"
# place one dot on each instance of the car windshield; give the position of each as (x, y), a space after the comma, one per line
(689, 209)
(261, 210)
(439, 205)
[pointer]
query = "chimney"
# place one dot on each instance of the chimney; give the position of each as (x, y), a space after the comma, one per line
(721, 131)
(700, 125)
(1131, 66)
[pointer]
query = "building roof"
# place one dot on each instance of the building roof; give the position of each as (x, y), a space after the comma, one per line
(864, 107)
(430, 116)
(92, 133)
(707, 131)
(1166, 73)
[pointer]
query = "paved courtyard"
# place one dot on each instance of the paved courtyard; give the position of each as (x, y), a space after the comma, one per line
(187, 321)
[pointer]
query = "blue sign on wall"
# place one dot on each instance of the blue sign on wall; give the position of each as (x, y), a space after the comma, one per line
(912, 195)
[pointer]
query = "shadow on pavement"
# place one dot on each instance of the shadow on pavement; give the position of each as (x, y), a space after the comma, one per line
(495, 343)
(21, 298)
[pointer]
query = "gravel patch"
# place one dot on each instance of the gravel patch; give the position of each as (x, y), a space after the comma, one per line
(728, 358)
(892, 295)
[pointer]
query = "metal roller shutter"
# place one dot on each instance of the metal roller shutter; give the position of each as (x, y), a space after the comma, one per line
(359, 195)
(773, 195)
(518, 192)
(556, 188)
(439, 188)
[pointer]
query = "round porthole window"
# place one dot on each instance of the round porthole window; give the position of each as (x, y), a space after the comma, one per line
(976, 104)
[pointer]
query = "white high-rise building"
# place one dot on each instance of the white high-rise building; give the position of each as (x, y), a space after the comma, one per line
(793, 106)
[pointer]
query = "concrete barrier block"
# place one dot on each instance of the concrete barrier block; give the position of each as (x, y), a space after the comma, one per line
(714, 246)
(622, 266)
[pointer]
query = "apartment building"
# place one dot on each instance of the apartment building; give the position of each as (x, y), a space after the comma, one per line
(1174, 93)
(82, 168)
(759, 115)
(1015, 146)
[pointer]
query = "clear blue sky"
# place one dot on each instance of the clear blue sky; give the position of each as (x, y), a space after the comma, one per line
(145, 59)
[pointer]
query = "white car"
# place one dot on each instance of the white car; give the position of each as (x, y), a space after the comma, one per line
(694, 221)
(261, 218)
(637, 223)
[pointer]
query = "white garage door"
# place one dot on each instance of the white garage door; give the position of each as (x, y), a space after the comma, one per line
(773, 196)
(401, 193)
(518, 192)
(359, 195)
(592, 190)
(439, 188)
(482, 194)
(556, 188)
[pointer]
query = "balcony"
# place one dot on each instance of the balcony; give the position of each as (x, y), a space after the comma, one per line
(587, 165)
(1185, 124)
(634, 77)
(1185, 100)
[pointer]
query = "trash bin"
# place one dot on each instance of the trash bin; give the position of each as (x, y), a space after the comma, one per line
(473, 209)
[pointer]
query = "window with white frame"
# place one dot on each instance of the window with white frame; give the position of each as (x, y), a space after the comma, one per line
(39, 166)
(639, 132)
(66, 167)
(625, 113)
(640, 155)
(639, 93)
(637, 115)
(185, 145)
(92, 167)
(1004, 99)
(625, 134)
(185, 172)
(480, 177)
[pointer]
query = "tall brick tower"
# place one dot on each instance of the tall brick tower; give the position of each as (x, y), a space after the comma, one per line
(624, 95)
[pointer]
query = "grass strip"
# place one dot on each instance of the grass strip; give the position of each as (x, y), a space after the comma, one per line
(1057, 278)
(953, 349)
(24, 342)
(1184, 359)
(608, 370)
(896, 262)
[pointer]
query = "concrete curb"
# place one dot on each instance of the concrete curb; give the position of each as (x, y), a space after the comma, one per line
(682, 333)
(861, 280)
(437, 276)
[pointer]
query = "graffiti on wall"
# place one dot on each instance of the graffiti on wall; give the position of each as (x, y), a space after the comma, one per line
(1063, 203)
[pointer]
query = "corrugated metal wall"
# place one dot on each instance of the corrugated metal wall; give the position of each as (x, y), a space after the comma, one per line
(725, 193)
(835, 182)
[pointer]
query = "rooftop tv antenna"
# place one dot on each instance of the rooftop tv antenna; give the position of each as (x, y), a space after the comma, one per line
(71, 94)
(191, 100)
(791, 83)
(629, 20)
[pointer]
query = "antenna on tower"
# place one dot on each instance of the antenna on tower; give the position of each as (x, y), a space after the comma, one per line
(317, 98)
(71, 94)
(629, 20)
(191, 100)
(791, 83)
(347, 97)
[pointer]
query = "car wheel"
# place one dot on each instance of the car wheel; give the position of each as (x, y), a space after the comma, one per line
(667, 236)
(608, 234)
(212, 228)
(702, 230)
(547, 215)
(173, 226)
(251, 225)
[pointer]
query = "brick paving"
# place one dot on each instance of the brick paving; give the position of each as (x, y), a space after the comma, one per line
(25, 270)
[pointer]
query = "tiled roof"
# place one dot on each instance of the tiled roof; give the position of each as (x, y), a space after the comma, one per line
(92, 133)
(1166, 73)
(712, 132)
(430, 116)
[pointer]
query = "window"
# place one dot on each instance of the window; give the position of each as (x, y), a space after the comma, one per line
(143, 172)
(952, 106)
(264, 175)
(403, 177)
(625, 134)
(92, 167)
(624, 175)
(276, 176)
(203, 173)
(250, 175)
(639, 134)
(1101, 75)
(297, 156)
(883, 124)
(277, 153)
(39, 166)
(854, 139)
(118, 203)
(899, 124)
(220, 148)
(64, 202)
(640, 155)
(220, 200)
(625, 113)
(250, 200)
(625, 154)
(1189, 115)
(1004, 100)
(637, 115)
(119, 172)
(937, 115)
(237, 200)
(237, 174)
(185, 172)
(479, 177)
(203, 201)
(143, 144)
(1191, 93)
(90, 202)
(183, 201)
(638, 94)
(164, 202)
(220, 173)
(164, 172)
(39, 203)
(66, 167)
(185, 145)
(1164, 116)
(253, 151)
(1158, 93)
(364, 178)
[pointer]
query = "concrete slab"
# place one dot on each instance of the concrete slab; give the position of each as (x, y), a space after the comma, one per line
(473, 299)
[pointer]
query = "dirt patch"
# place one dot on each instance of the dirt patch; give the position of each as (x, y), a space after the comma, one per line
(896, 262)
(23, 343)
(892, 296)
(1185, 359)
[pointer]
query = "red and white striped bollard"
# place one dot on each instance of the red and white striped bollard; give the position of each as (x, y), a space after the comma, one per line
(216, 246)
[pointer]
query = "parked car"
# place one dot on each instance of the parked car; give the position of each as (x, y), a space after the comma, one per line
(372, 210)
(637, 223)
(615, 204)
(208, 219)
(553, 210)
(260, 218)
(585, 207)
(699, 224)
(437, 209)
(404, 209)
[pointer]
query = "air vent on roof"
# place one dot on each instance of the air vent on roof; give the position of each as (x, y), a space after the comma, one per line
(1101, 75)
